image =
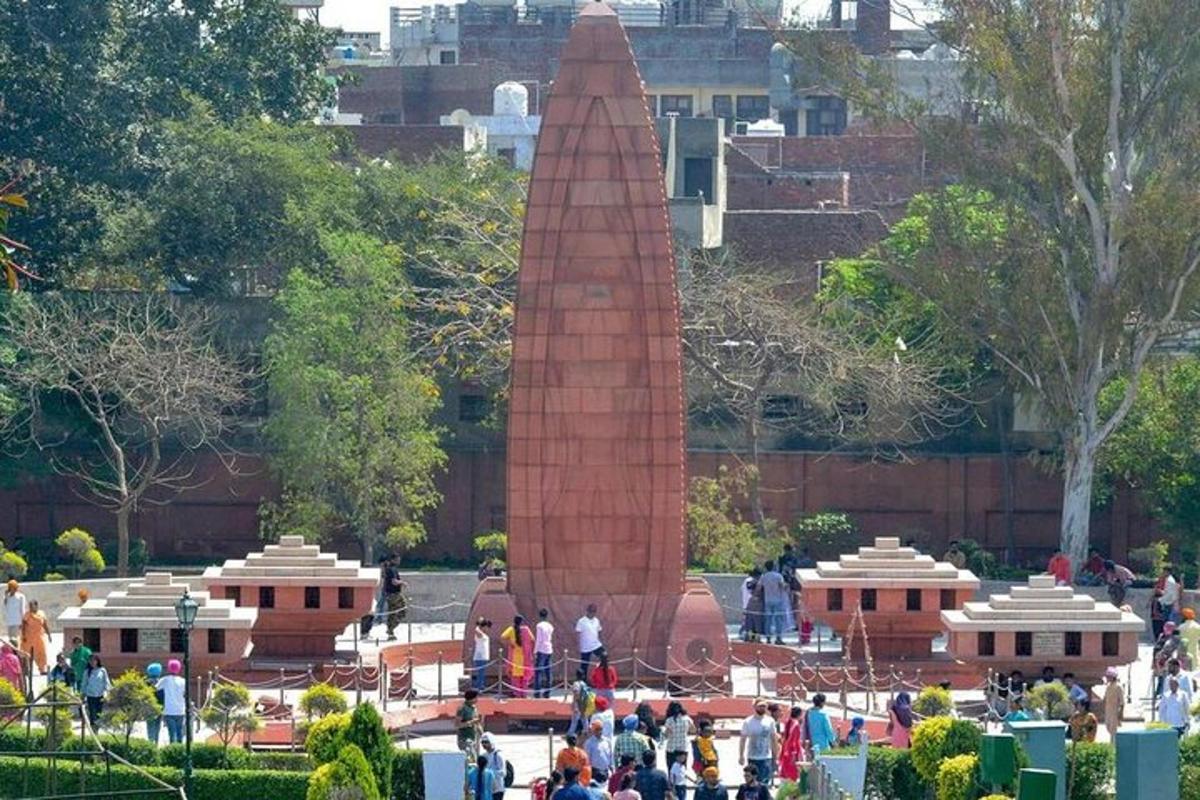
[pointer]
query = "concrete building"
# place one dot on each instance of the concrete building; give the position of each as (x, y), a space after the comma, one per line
(509, 132)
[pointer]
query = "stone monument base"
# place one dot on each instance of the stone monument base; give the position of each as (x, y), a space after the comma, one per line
(678, 640)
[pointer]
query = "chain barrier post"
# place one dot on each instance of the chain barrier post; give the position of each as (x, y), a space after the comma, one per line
(758, 665)
(358, 682)
(703, 672)
(550, 748)
(845, 695)
(381, 681)
(635, 677)
(412, 682)
(667, 672)
(281, 682)
(292, 742)
(453, 598)
(439, 677)
(566, 670)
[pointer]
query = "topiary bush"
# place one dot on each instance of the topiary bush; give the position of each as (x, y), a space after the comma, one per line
(891, 776)
(933, 701)
(348, 777)
(10, 696)
(1189, 750)
(131, 700)
(1189, 782)
(321, 700)
(208, 756)
(1050, 700)
(956, 777)
(230, 712)
(408, 775)
(324, 738)
(938, 738)
(366, 731)
(1090, 768)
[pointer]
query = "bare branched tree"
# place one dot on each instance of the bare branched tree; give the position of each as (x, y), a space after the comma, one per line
(142, 384)
(758, 354)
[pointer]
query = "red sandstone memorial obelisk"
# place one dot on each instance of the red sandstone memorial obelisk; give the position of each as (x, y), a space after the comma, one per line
(596, 447)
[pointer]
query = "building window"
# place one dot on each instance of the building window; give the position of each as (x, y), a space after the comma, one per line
(447, 57)
(912, 600)
(176, 642)
(790, 119)
(698, 178)
(946, 599)
(266, 597)
(129, 640)
(753, 107)
(1073, 643)
(833, 599)
(312, 596)
(826, 116)
(722, 107)
(216, 640)
(508, 155)
(345, 597)
(475, 407)
(91, 639)
(869, 600)
(1024, 644)
(680, 104)
(986, 643)
(234, 593)
(1110, 643)
(652, 103)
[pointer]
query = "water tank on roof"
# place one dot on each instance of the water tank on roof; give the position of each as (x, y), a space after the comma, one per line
(510, 99)
(764, 127)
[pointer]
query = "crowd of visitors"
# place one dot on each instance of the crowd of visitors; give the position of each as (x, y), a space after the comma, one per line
(771, 605)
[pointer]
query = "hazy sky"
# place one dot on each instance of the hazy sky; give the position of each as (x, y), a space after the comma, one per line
(372, 15)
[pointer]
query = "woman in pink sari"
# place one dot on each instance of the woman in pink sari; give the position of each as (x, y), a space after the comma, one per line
(791, 753)
(900, 721)
(10, 666)
(518, 655)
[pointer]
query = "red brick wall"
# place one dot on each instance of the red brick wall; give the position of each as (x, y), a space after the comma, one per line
(408, 143)
(944, 497)
(416, 95)
(798, 240)
(777, 191)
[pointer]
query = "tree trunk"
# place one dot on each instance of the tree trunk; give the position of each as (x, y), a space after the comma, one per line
(753, 487)
(1079, 470)
(123, 514)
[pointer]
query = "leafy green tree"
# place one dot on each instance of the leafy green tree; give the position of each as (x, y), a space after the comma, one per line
(79, 546)
(366, 731)
(1085, 148)
(719, 539)
(321, 700)
(324, 737)
(350, 430)
(230, 712)
(87, 81)
(233, 205)
(348, 777)
(1157, 448)
(130, 701)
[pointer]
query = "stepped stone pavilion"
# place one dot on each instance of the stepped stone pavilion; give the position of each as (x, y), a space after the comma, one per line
(1043, 624)
(901, 593)
(132, 627)
(304, 597)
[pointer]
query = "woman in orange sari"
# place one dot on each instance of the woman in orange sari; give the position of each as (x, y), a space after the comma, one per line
(518, 642)
(35, 635)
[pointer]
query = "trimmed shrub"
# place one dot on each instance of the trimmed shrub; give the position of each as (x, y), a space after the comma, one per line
(130, 701)
(324, 738)
(933, 701)
(995, 797)
(1090, 765)
(283, 762)
(1189, 750)
(321, 700)
(938, 738)
(956, 777)
(136, 751)
(366, 731)
(1189, 782)
(891, 776)
(230, 712)
(11, 696)
(31, 779)
(207, 756)
(349, 777)
(1050, 700)
(53, 577)
(408, 775)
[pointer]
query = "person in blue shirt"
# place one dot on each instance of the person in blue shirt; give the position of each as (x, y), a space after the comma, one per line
(481, 781)
(820, 732)
(572, 790)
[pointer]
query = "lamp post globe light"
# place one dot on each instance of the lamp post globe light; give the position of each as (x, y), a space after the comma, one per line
(185, 612)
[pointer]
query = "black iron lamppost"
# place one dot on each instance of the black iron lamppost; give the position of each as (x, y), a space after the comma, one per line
(185, 611)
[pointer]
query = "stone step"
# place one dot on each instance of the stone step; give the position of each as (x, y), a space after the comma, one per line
(339, 573)
(120, 599)
(1078, 603)
(922, 563)
(904, 553)
(323, 560)
(1056, 615)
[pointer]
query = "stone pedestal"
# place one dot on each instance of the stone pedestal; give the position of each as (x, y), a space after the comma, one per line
(1147, 765)
(900, 591)
(596, 484)
(132, 627)
(304, 597)
(1042, 624)
(1045, 743)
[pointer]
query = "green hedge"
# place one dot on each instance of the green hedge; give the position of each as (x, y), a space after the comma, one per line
(1095, 764)
(408, 777)
(208, 756)
(207, 784)
(1189, 782)
(283, 761)
(891, 775)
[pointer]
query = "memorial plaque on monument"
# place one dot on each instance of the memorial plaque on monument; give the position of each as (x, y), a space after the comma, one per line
(154, 640)
(1047, 643)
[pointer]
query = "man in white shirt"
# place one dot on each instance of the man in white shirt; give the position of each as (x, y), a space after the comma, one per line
(543, 654)
(1174, 707)
(14, 612)
(588, 627)
(174, 704)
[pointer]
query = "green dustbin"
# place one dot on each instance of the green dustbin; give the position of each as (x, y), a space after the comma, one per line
(1036, 784)
(998, 759)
